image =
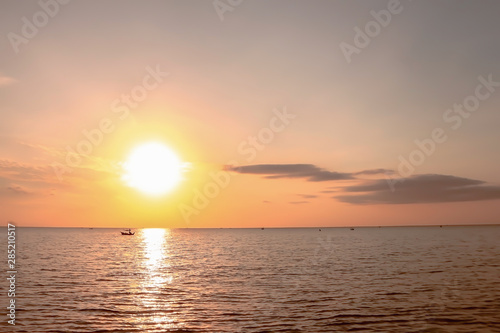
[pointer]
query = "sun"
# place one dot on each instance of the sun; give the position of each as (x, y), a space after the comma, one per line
(153, 169)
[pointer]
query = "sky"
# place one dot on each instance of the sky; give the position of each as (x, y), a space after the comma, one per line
(283, 113)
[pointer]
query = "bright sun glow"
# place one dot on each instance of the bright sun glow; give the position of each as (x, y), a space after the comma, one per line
(152, 168)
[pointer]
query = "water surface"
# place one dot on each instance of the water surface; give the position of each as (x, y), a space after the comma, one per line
(407, 279)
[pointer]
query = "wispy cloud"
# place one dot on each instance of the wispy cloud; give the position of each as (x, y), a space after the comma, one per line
(298, 202)
(430, 188)
(88, 162)
(49, 151)
(18, 189)
(307, 196)
(13, 170)
(6, 81)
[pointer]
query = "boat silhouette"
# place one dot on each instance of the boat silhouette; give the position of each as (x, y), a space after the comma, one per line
(128, 233)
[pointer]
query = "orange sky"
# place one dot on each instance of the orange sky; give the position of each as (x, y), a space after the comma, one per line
(268, 89)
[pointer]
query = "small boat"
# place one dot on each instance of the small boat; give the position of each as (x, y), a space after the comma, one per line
(352, 228)
(128, 233)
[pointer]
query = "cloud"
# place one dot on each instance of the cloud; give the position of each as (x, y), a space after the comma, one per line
(21, 171)
(19, 189)
(298, 202)
(310, 172)
(307, 196)
(374, 172)
(6, 81)
(14, 171)
(430, 188)
(49, 151)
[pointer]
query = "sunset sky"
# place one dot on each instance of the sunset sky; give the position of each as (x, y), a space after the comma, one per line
(282, 113)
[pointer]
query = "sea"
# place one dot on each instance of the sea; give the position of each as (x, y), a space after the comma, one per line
(373, 279)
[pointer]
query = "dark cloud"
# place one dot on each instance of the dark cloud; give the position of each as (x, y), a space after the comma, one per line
(375, 172)
(309, 172)
(429, 188)
(420, 189)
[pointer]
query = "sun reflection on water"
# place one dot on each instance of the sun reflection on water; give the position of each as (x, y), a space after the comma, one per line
(154, 247)
(156, 266)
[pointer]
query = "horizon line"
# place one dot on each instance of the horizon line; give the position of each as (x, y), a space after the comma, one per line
(289, 227)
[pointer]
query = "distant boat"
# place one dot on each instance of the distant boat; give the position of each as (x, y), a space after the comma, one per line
(128, 233)
(352, 228)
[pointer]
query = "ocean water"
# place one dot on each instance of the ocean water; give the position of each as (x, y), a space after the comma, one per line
(390, 279)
